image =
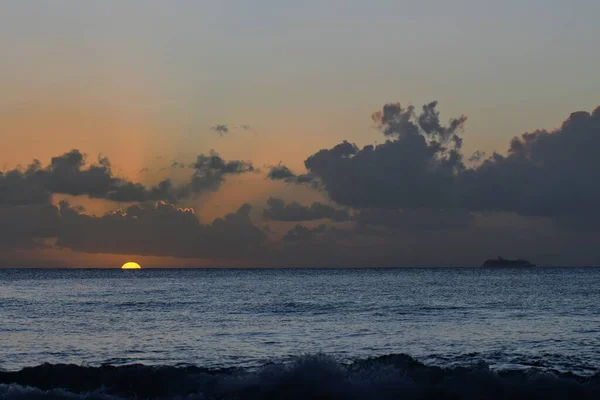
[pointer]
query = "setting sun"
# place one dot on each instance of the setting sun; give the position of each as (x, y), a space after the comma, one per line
(131, 265)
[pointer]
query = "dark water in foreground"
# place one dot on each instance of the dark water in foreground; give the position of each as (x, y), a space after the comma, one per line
(471, 333)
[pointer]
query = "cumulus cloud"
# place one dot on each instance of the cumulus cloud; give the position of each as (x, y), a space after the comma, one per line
(278, 210)
(416, 185)
(394, 120)
(160, 230)
(545, 173)
(69, 174)
(210, 172)
(416, 167)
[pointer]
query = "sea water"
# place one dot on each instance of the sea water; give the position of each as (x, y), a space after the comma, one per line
(338, 333)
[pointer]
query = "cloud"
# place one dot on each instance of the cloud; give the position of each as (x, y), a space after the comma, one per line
(26, 226)
(221, 129)
(396, 121)
(545, 173)
(278, 210)
(210, 172)
(413, 199)
(164, 229)
(17, 189)
(160, 230)
(302, 233)
(416, 167)
(415, 219)
(477, 157)
(69, 174)
(281, 172)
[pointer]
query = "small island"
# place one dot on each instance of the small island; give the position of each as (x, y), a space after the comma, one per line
(504, 263)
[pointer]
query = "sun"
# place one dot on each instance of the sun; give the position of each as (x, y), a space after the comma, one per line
(131, 265)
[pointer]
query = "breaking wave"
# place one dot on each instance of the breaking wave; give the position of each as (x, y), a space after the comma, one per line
(307, 377)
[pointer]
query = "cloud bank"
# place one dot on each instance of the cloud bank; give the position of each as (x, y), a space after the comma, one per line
(545, 173)
(69, 174)
(278, 210)
(160, 230)
(414, 197)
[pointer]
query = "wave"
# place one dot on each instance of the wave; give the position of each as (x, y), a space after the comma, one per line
(307, 377)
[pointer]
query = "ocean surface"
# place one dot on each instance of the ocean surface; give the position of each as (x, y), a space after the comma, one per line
(300, 333)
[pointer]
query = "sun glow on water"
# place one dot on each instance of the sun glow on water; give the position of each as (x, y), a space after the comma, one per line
(131, 265)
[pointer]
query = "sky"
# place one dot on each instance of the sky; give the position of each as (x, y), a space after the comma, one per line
(233, 133)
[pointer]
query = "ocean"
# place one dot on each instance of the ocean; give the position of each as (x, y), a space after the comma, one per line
(300, 333)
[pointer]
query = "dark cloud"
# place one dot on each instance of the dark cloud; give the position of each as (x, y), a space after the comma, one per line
(161, 230)
(302, 233)
(278, 210)
(166, 230)
(477, 157)
(429, 122)
(396, 121)
(415, 219)
(16, 188)
(545, 173)
(26, 226)
(213, 163)
(210, 172)
(69, 174)
(392, 219)
(413, 198)
(221, 129)
(500, 234)
(281, 172)
(415, 168)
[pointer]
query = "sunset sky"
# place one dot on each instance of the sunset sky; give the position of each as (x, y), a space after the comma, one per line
(229, 104)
